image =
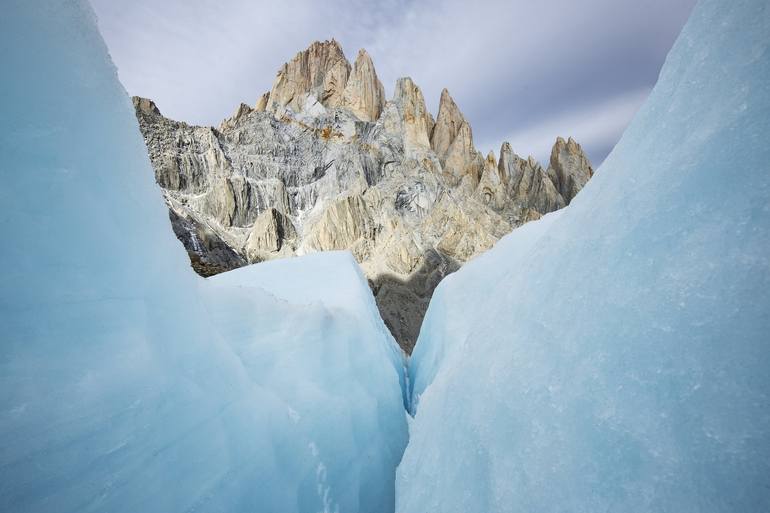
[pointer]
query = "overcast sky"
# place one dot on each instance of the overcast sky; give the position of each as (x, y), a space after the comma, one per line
(521, 71)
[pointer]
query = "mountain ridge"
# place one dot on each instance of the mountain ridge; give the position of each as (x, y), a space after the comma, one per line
(324, 162)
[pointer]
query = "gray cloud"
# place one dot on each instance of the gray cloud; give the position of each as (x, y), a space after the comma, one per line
(521, 71)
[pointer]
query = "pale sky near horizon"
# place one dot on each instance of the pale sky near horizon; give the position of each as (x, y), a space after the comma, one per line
(524, 72)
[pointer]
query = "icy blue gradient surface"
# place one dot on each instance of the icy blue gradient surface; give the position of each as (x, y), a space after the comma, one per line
(127, 383)
(615, 356)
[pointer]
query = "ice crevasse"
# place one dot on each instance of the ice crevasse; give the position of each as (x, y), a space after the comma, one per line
(127, 383)
(615, 355)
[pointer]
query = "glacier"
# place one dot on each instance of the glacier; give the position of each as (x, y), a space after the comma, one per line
(127, 383)
(615, 355)
(612, 356)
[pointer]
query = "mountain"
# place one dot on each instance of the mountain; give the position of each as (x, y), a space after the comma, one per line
(323, 162)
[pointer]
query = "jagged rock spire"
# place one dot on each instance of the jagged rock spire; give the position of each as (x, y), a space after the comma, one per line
(569, 168)
(261, 104)
(145, 106)
(417, 121)
(529, 185)
(505, 163)
(462, 159)
(492, 186)
(448, 123)
(242, 111)
(364, 95)
(452, 141)
(321, 70)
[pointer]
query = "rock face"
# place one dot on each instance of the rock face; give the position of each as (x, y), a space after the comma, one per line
(271, 232)
(570, 168)
(528, 184)
(452, 141)
(323, 162)
(408, 116)
(321, 71)
(261, 105)
(364, 95)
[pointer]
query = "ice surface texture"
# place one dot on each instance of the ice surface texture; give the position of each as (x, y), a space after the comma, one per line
(615, 356)
(127, 383)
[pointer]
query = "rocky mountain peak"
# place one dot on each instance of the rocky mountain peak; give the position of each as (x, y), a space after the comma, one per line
(364, 94)
(261, 104)
(241, 111)
(461, 159)
(145, 106)
(323, 162)
(506, 158)
(448, 124)
(570, 167)
(492, 185)
(417, 121)
(452, 141)
(321, 70)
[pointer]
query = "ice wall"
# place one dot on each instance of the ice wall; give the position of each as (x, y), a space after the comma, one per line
(614, 356)
(126, 382)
